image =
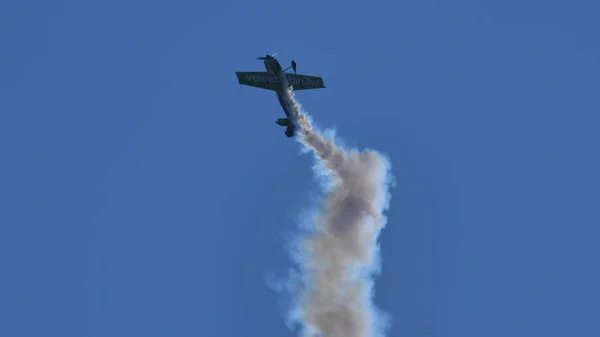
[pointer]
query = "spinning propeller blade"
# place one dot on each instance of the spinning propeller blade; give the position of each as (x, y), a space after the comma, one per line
(266, 57)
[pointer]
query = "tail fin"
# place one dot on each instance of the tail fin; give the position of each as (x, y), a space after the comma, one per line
(290, 131)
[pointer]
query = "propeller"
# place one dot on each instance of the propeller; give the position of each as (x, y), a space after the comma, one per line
(266, 57)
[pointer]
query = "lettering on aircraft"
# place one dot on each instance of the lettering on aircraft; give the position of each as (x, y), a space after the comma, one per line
(305, 81)
(263, 78)
(297, 81)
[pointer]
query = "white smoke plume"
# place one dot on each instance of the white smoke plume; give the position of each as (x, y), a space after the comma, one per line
(339, 258)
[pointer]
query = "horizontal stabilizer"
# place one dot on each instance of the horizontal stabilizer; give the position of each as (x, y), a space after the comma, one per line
(283, 122)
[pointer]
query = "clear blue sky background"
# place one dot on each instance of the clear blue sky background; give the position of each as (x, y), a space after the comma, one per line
(143, 193)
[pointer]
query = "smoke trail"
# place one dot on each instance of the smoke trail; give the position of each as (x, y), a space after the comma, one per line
(339, 259)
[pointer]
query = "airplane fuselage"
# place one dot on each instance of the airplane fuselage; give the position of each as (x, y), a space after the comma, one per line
(273, 66)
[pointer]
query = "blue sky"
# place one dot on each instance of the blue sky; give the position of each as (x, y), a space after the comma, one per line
(145, 194)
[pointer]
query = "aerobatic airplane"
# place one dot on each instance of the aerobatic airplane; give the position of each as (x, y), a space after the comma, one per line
(276, 79)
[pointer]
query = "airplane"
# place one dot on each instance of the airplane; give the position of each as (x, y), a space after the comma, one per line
(276, 79)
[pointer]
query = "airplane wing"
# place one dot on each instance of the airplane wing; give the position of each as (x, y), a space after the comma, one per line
(304, 82)
(259, 79)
